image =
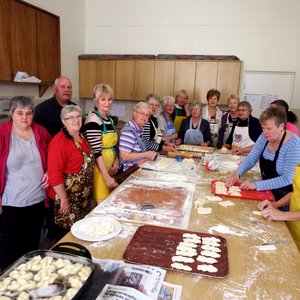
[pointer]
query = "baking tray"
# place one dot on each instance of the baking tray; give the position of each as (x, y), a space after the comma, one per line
(245, 194)
(195, 148)
(43, 253)
(153, 245)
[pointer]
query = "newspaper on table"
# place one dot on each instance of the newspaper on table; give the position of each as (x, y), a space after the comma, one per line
(128, 281)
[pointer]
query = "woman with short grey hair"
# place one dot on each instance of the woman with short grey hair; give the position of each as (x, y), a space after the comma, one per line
(70, 170)
(23, 180)
(165, 122)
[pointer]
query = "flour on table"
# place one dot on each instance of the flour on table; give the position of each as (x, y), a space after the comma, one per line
(204, 210)
(226, 203)
(184, 259)
(206, 259)
(207, 268)
(180, 266)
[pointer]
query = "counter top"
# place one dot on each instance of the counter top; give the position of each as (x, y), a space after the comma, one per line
(253, 274)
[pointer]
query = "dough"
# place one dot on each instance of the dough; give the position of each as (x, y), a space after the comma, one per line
(256, 212)
(210, 248)
(180, 258)
(226, 203)
(224, 150)
(205, 259)
(180, 266)
(99, 228)
(185, 253)
(204, 210)
(195, 241)
(207, 268)
(214, 198)
(266, 247)
(191, 235)
(210, 253)
(185, 244)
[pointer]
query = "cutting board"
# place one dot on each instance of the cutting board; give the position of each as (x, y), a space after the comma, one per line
(246, 195)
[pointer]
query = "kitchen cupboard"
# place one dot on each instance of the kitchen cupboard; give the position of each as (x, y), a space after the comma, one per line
(184, 77)
(30, 42)
(92, 72)
(164, 77)
(135, 78)
(4, 42)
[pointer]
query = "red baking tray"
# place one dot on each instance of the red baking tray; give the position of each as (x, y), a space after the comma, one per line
(246, 195)
(153, 245)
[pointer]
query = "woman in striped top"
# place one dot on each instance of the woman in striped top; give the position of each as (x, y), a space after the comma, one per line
(101, 134)
(278, 152)
(152, 135)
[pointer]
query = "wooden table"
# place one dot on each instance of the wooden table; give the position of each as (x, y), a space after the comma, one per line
(253, 274)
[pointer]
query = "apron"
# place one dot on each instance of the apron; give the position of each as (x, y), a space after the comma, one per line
(109, 140)
(193, 136)
(268, 171)
(294, 226)
(170, 127)
(79, 192)
(228, 127)
(158, 135)
(241, 138)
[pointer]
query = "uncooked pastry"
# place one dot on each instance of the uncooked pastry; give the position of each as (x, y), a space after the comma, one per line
(267, 247)
(180, 266)
(186, 244)
(226, 203)
(206, 259)
(184, 259)
(204, 210)
(210, 248)
(210, 253)
(191, 235)
(256, 212)
(207, 268)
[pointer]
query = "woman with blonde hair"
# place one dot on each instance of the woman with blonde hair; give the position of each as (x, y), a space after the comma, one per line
(101, 134)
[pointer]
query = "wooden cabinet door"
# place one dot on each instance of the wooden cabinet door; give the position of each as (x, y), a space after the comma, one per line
(206, 79)
(228, 80)
(107, 73)
(5, 73)
(144, 77)
(23, 36)
(48, 39)
(185, 77)
(125, 79)
(88, 77)
(164, 77)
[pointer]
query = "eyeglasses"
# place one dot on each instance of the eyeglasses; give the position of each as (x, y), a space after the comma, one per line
(242, 109)
(143, 114)
(72, 118)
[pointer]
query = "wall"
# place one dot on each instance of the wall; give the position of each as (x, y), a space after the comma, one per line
(263, 34)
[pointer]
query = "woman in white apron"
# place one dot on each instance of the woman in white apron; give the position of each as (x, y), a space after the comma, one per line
(245, 133)
(213, 114)
(194, 130)
(101, 134)
(165, 122)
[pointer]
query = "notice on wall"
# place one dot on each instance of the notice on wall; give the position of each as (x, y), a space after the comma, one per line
(259, 102)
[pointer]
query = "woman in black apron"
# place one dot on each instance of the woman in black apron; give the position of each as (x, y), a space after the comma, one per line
(278, 152)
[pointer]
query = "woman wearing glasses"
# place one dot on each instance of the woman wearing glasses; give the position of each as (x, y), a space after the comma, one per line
(101, 134)
(245, 132)
(132, 148)
(70, 170)
(23, 180)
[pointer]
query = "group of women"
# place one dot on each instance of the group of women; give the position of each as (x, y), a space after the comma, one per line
(76, 168)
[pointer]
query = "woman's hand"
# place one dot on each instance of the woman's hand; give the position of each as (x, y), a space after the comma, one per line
(272, 213)
(169, 147)
(45, 182)
(64, 206)
(248, 185)
(264, 204)
(150, 155)
(237, 151)
(204, 145)
(110, 182)
(233, 179)
(115, 167)
(178, 142)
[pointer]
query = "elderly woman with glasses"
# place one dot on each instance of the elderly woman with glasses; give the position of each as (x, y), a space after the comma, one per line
(23, 180)
(70, 169)
(132, 148)
(278, 153)
(165, 122)
(245, 132)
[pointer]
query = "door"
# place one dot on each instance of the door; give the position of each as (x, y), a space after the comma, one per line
(107, 73)
(206, 79)
(144, 78)
(125, 80)
(185, 77)
(88, 70)
(228, 80)
(164, 77)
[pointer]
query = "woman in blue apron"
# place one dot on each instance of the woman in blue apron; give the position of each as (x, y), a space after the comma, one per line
(194, 130)
(165, 122)
(278, 152)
